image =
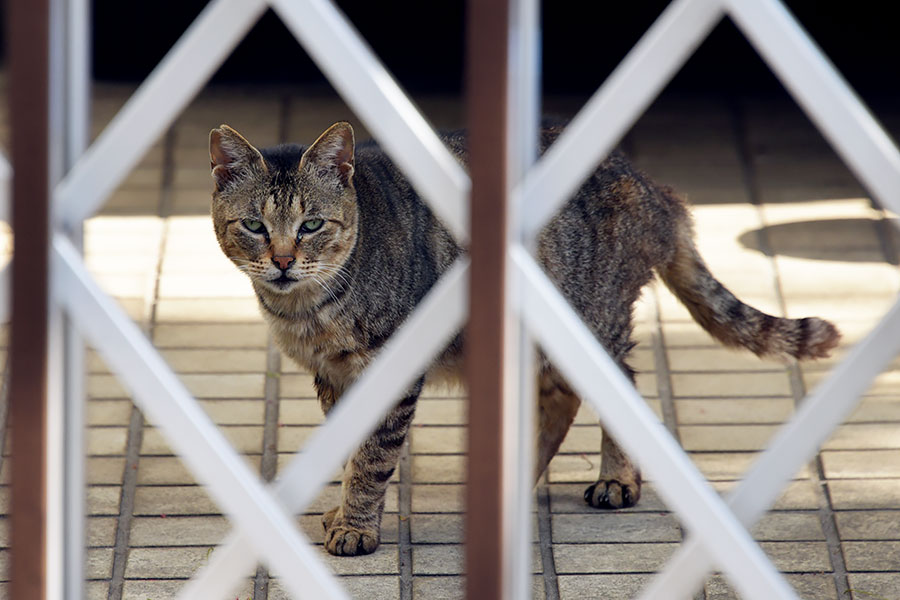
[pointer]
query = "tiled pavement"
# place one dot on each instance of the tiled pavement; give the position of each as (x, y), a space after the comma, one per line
(781, 222)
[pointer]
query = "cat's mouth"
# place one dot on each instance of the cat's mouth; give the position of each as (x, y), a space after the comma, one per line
(283, 282)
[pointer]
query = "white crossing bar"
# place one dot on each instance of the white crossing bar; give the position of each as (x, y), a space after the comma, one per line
(792, 447)
(820, 90)
(271, 532)
(590, 370)
(622, 98)
(364, 83)
(405, 356)
(154, 106)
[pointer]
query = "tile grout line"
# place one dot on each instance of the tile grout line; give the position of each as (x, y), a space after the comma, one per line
(404, 546)
(136, 422)
(545, 541)
(798, 389)
(269, 461)
(4, 408)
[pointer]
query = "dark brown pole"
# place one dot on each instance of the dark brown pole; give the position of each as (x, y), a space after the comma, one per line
(488, 22)
(28, 35)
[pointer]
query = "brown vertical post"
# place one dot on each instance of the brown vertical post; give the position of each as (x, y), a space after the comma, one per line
(487, 48)
(28, 35)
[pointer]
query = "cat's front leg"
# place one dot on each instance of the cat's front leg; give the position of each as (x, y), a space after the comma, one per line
(354, 527)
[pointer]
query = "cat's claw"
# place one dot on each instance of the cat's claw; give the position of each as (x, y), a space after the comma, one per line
(611, 493)
(343, 540)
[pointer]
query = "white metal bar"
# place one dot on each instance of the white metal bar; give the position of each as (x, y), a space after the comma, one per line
(77, 122)
(821, 91)
(271, 532)
(154, 106)
(794, 445)
(523, 118)
(5, 182)
(406, 355)
(591, 371)
(372, 93)
(617, 104)
(4, 293)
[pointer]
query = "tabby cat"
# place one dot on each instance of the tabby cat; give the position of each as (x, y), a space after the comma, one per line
(340, 248)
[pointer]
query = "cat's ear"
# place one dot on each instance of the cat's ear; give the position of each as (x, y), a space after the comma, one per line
(231, 157)
(332, 154)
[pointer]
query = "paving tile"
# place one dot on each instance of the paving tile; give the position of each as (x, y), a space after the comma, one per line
(732, 411)
(438, 440)
(438, 469)
(216, 361)
(798, 495)
(103, 500)
(868, 525)
(100, 531)
(717, 359)
(435, 498)
(173, 500)
(374, 587)
(297, 386)
(228, 310)
(872, 556)
(104, 470)
(235, 412)
(869, 436)
(246, 439)
(876, 410)
(726, 437)
(300, 412)
(611, 558)
(219, 335)
(808, 586)
(861, 464)
(145, 589)
(436, 529)
(615, 527)
(730, 465)
(449, 559)
(108, 412)
(864, 494)
(178, 531)
(789, 526)
(241, 385)
(578, 587)
(866, 586)
(697, 385)
(106, 441)
(171, 562)
(165, 470)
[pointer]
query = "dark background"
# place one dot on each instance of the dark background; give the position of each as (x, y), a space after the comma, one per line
(422, 43)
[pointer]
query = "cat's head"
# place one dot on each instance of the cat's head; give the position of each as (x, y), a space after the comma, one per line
(287, 217)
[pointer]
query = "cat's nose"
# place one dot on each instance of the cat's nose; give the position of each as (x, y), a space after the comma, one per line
(283, 262)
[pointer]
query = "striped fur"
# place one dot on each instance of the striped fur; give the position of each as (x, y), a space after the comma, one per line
(340, 249)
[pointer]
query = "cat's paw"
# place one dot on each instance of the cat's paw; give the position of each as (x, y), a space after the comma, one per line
(612, 493)
(343, 540)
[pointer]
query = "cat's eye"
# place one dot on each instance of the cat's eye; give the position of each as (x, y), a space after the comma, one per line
(311, 225)
(254, 225)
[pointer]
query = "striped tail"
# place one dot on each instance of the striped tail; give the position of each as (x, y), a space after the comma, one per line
(734, 323)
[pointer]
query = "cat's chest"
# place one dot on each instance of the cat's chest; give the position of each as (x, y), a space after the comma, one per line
(328, 348)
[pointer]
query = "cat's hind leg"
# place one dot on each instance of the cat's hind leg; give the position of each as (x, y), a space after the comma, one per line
(619, 484)
(557, 406)
(354, 527)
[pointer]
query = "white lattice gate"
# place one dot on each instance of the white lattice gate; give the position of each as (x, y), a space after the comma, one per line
(264, 527)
